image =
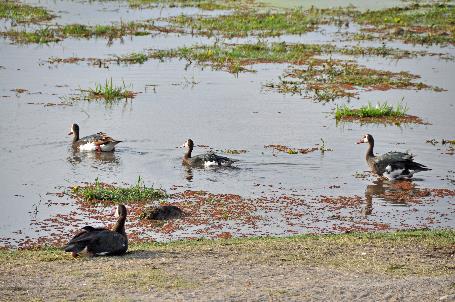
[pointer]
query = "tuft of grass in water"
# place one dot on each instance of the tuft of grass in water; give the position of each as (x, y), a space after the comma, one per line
(109, 92)
(415, 23)
(101, 192)
(379, 110)
(23, 13)
(326, 80)
(134, 58)
(242, 24)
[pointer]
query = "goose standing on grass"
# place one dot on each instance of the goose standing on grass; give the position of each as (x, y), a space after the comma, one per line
(101, 241)
(209, 159)
(95, 142)
(392, 165)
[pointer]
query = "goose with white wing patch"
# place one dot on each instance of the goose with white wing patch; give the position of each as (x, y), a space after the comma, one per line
(392, 165)
(209, 159)
(95, 142)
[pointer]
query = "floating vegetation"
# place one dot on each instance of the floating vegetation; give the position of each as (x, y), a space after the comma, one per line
(415, 23)
(233, 151)
(23, 13)
(379, 113)
(326, 80)
(102, 192)
(109, 92)
(289, 150)
(450, 145)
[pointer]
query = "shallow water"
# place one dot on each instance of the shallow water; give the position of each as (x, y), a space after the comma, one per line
(213, 108)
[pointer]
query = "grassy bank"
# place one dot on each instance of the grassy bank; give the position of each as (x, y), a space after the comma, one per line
(396, 253)
(421, 262)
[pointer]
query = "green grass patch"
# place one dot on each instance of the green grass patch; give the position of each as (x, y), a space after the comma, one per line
(245, 24)
(108, 92)
(102, 192)
(58, 33)
(415, 23)
(327, 80)
(201, 4)
(379, 110)
(23, 13)
(380, 113)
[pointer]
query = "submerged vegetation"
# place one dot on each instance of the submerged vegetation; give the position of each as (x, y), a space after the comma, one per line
(109, 92)
(326, 80)
(102, 192)
(201, 4)
(58, 33)
(23, 13)
(234, 57)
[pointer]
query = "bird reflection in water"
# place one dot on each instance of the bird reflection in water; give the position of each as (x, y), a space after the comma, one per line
(188, 171)
(104, 158)
(394, 192)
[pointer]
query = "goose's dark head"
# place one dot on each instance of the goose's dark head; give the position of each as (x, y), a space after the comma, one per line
(189, 144)
(121, 211)
(74, 129)
(367, 138)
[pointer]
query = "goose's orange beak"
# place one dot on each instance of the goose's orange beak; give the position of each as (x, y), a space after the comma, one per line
(360, 141)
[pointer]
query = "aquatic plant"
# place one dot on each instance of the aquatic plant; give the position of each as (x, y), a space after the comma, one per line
(109, 92)
(242, 24)
(99, 191)
(378, 110)
(426, 23)
(23, 13)
(328, 79)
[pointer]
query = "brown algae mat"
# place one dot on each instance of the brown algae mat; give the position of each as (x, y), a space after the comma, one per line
(406, 265)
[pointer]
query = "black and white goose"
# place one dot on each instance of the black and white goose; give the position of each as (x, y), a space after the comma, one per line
(101, 241)
(209, 159)
(95, 142)
(392, 165)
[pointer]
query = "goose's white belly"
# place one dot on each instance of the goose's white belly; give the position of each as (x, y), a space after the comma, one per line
(92, 147)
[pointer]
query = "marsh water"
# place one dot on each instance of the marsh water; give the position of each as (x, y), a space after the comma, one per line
(216, 109)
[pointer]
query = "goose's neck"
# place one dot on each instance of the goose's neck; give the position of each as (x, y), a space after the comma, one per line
(370, 153)
(75, 136)
(188, 153)
(120, 225)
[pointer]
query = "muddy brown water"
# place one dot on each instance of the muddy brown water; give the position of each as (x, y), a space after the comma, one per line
(213, 108)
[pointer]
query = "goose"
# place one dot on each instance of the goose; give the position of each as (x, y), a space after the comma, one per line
(392, 165)
(209, 159)
(95, 142)
(101, 241)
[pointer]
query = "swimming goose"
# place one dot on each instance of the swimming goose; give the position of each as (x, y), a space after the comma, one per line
(95, 142)
(392, 165)
(209, 159)
(101, 241)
